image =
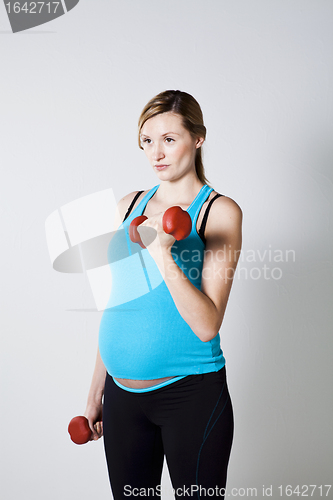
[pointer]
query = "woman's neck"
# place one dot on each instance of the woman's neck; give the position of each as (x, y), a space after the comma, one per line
(182, 191)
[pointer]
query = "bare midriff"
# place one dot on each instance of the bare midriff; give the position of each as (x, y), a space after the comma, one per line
(141, 384)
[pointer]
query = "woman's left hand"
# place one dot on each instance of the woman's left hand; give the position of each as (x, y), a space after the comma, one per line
(162, 242)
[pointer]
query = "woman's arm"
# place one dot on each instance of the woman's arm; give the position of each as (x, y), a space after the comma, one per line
(94, 406)
(96, 390)
(203, 309)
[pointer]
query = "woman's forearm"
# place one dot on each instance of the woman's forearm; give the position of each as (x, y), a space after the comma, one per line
(98, 380)
(194, 306)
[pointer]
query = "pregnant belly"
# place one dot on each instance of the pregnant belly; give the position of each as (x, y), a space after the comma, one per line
(146, 341)
(134, 349)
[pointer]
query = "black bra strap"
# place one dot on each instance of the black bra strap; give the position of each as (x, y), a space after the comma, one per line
(204, 220)
(132, 204)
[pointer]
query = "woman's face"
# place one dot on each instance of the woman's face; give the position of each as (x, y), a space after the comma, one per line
(169, 146)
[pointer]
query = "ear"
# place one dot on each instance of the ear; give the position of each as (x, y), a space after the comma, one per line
(199, 142)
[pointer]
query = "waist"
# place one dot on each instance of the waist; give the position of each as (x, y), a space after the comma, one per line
(141, 384)
(150, 388)
(172, 383)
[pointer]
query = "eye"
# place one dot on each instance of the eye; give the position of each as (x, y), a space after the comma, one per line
(147, 141)
(169, 139)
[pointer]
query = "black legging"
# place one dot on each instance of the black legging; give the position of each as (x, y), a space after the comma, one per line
(189, 421)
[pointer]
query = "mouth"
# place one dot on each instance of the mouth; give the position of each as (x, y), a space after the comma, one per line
(160, 167)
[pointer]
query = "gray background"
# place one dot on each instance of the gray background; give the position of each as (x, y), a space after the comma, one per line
(71, 94)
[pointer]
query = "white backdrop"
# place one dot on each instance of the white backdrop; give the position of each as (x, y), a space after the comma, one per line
(71, 94)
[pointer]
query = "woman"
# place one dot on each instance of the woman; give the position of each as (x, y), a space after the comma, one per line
(159, 364)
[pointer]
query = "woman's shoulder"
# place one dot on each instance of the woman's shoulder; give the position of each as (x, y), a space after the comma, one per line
(224, 212)
(225, 203)
(128, 198)
(125, 202)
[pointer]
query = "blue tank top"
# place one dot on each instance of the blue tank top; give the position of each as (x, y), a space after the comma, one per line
(142, 336)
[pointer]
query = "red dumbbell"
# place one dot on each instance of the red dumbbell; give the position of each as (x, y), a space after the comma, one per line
(79, 430)
(175, 221)
(133, 229)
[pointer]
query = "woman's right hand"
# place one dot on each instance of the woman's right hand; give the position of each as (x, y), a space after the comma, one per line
(94, 414)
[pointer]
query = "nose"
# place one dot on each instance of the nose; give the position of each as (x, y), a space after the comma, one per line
(158, 153)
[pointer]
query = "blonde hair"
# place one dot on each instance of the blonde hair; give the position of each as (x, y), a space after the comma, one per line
(188, 108)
